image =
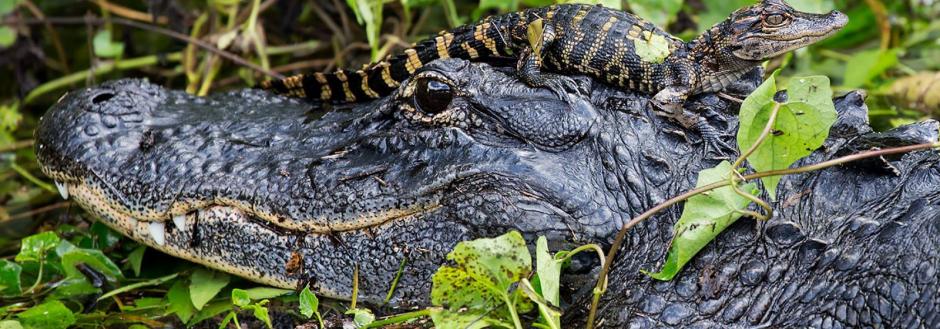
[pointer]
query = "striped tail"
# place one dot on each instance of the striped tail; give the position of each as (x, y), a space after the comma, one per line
(485, 39)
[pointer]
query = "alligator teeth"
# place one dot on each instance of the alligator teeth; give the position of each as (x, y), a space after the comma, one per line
(157, 232)
(180, 222)
(63, 190)
(133, 222)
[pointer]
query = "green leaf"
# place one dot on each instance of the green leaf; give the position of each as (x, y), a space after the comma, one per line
(865, 66)
(10, 324)
(483, 272)
(240, 298)
(660, 12)
(718, 10)
(549, 271)
(653, 48)
(136, 259)
(308, 302)
(10, 277)
(361, 316)
(34, 247)
(106, 48)
(261, 313)
(7, 36)
(472, 319)
(812, 6)
(74, 287)
(48, 315)
(801, 127)
(205, 284)
(180, 302)
(93, 258)
(7, 6)
(210, 310)
(259, 293)
(369, 13)
(704, 216)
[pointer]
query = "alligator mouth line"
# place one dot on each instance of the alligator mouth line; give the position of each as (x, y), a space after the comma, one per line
(94, 194)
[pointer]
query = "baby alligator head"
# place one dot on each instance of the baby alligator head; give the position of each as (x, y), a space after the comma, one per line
(263, 187)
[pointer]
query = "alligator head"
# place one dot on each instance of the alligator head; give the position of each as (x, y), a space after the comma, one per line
(264, 187)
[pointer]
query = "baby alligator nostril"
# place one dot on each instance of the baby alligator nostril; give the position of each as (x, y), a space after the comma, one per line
(101, 98)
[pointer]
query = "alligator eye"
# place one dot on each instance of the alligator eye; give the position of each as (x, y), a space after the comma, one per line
(433, 96)
(775, 20)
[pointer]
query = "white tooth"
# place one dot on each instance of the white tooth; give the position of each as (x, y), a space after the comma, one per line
(180, 221)
(133, 222)
(157, 232)
(63, 190)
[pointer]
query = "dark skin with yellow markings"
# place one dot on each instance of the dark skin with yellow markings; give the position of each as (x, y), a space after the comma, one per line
(595, 41)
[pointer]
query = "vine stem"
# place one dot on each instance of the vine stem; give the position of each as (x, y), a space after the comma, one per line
(399, 318)
(618, 240)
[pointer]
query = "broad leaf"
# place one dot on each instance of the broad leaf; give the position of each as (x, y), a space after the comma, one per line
(7, 36)
(136, 259)
(10, 277)
(445, 318)
(205, 284)
(240, 298)
(180, 302)
(361, 316)
(704, 216)
(34, 247)
(549, 271)
(801, 126)
(90, 257)
(10, 324)
(308, 302)
(48, 315)
(865, 66)
(483, 272)
(260, 293)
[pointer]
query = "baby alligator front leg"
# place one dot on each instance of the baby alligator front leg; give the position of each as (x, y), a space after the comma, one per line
(670, 103)
(529, 67)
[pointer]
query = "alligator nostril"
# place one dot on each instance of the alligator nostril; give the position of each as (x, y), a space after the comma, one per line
(101, 98)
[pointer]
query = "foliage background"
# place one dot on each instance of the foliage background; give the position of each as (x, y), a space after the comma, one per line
(889, 48)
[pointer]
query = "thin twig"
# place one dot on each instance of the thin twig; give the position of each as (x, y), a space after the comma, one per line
(156, 29)
(618, 240)
(56, 41)
(17, 146)
(42, 210)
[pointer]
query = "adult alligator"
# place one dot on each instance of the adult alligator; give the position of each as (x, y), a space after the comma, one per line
(263, 187)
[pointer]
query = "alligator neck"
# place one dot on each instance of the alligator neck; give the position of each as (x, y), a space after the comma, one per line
(713, 52)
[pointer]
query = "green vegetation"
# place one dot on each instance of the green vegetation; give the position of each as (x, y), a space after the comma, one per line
(60, 268)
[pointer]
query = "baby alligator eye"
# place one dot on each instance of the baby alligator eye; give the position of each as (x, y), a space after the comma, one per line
(433, 96)
(775, 20)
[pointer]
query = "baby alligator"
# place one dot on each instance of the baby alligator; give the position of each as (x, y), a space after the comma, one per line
(595, 41)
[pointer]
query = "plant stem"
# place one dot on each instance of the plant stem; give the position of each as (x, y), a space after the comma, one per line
(618, 240)
(102, 69)
(512, 311)
(398, 318)
(31, 178)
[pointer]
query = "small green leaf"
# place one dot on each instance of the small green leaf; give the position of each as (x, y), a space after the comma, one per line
(801, 127)
(210, 310)
(361, 316)
(535, 34)
(180, 302)
(652, 48)
(34, 247)
(261, 313)
(369, 13)
(136, 259)
(240, 298)
(308, 302)
(7, 36)
(10, 324)
(205, 284)
(704, 216)
(10, 277)
(48, 315)
(91, 257)
(106, 48)
(483, 272)
(660, 12)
